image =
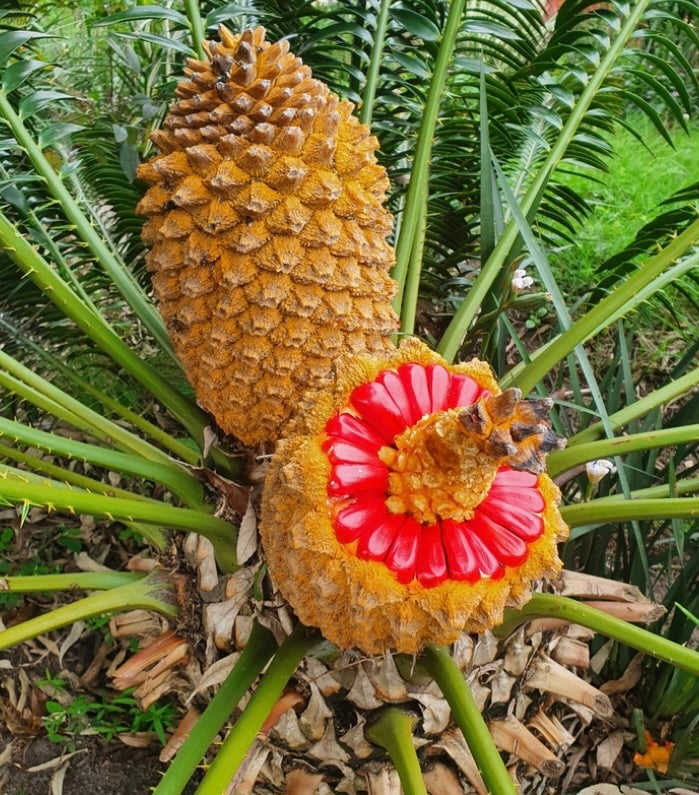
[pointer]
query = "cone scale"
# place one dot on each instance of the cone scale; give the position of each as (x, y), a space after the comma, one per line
(267, 233)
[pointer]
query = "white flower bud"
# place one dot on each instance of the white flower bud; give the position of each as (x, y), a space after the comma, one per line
(520, 280)
(598, 468)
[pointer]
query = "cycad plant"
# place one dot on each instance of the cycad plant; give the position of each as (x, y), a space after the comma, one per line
(405, 505)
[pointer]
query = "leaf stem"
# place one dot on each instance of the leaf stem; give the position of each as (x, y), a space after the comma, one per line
(394, 732)
(121, 276)
(601, 315)
(451, 682)
(423, 151)
(245, 729)
(684, 486)
(562, 460)
(85, 580)
(372, 77)
(221, 534)
(463, 318)
(544, 605)
(412, 284)
(196, 26)
(260, 647)
(178, 480)
(638, 408)
(154, 592)
(175, 446)
(44, 394)
(38, 466)
(39, 271)
(602, 511)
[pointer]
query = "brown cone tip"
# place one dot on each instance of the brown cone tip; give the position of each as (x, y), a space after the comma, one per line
(513, 431)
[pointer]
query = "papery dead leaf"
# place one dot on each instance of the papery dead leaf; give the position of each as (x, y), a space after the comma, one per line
(137, 739)
(551, 729)
(301, 782)
(327, 749)
(628, 680)
(326, 682)
(241, 630)
(237, 496)
(578, 584)
(363, 694)
(462, 651)
(609, 749)
(389, 685)
(441, 780)
(312, 719)
(57, 761)
(501, 687)
(436, 712)
(6, 754)
(177, 738)
(207, 569)
(354, 738)
(517, 653)
(452, 742)
(289, 731)
(85, 563)
(92, 671)
(215, 674)
(76, 632)
(571, 652)
(57, 779)
(246, 545)
(219, 617)
(383, 781)
(289, 700)
(248, 771)
(272, 771)
(486, 649)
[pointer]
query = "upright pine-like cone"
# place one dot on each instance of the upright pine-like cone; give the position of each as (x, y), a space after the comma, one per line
(268, 234)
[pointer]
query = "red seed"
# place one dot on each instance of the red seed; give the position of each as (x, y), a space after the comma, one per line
(414, 379)
(402, 555)
(506, 546)
(353, 429)
(526, 525)
(346, 453)
(374, 544)
(439, 380)
(431, 566)
(464, 391)
(513, 477)
(363, 516)
(396, 389)
(378, 410)
(488, 565)
(460, 557)
(350, 479)
(526, 499)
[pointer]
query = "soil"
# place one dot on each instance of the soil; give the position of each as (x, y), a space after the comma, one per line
(96, 768)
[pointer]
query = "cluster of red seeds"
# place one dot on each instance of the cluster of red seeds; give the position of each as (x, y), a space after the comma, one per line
(503, 524)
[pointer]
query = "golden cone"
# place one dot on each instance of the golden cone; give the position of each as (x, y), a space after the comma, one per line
(268, 234)
(317, 510)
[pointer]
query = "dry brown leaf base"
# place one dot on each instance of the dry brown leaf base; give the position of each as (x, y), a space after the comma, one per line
(558, 730)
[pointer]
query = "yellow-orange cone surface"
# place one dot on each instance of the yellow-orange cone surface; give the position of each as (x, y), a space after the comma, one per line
(268, 234)
(408, 502)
